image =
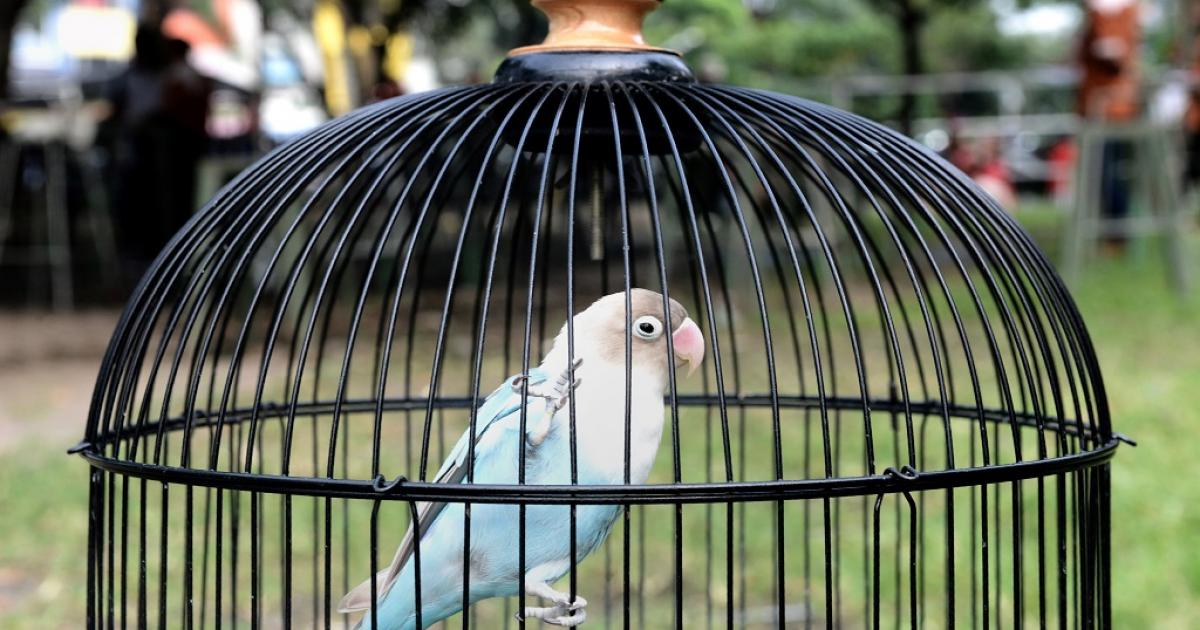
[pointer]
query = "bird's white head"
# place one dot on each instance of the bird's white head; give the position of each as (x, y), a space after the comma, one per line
(603, 329)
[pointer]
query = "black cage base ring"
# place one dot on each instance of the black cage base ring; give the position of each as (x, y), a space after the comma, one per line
(402, 489)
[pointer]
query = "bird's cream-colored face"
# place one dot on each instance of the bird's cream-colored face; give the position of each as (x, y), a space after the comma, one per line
(606, 320)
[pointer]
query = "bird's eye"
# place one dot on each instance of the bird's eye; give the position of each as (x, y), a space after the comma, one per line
(648, 327)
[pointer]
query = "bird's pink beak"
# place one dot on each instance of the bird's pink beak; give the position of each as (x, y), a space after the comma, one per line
(689, 345)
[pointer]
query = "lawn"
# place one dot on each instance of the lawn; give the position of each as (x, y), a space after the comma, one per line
(1147, 337)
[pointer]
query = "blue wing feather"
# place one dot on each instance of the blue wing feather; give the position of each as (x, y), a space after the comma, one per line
(499, 406)
(501, 403)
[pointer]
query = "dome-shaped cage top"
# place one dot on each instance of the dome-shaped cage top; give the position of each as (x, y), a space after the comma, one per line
(332, 317)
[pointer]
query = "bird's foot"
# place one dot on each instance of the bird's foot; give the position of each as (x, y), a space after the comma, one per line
(579, 604)
(558, 392)
(567, 618)
(566, 615)
(566, 611)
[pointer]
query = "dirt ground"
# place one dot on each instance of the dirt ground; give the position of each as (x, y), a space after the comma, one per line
(48, 364)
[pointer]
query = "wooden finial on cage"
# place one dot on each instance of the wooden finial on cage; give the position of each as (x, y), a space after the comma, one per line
(601, 25)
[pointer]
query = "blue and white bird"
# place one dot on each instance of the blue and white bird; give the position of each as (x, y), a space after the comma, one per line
(600, 335)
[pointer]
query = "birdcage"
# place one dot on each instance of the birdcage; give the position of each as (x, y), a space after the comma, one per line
(897, 418)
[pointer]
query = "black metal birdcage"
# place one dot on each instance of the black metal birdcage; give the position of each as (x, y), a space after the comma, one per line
(900, 420)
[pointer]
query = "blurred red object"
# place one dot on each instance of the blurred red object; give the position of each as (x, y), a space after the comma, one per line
(190, 27)
(993, 176)
(1061, 161)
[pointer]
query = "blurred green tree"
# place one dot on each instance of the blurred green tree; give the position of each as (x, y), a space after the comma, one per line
(768, 42)
(765, 43)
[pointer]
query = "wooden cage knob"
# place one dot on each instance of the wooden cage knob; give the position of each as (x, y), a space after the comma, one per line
(600, 25)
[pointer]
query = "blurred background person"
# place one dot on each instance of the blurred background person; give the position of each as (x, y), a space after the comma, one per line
(1109, 92)
(982, 159)
(185, 101)
(992, 173)
(159, 116)
(143, 151)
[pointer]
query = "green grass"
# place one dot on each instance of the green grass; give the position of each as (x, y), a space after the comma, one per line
(1147, 339)
(43, 526)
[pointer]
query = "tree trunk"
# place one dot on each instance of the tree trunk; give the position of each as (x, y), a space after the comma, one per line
(911, 20)
(9, 12)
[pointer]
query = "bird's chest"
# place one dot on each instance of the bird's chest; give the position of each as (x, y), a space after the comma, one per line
(605, 439)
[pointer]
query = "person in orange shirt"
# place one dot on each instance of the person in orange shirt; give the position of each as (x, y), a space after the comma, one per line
(1108, 55)
(1108, 88)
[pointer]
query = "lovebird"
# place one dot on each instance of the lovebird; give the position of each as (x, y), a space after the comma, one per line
(598, 377)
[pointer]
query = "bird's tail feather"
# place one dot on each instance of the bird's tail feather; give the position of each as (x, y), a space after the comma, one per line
(394, 610)
(360, 597)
